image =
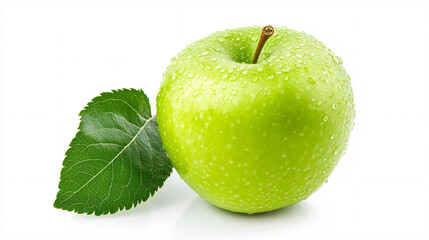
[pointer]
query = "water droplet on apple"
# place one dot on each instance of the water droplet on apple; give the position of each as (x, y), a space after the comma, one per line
(322, 78)
(332, 136)
(286, 69)
(334, 106)
(286, 78)
(259, 69)
(311, 80)
(325, 118)
(319, 103)
(244, 72)
(338, 60)
(234, 92)
(328, 65)
(254, 38)
(270, 77)
(254, 79)
(190, 75)
(224, 76)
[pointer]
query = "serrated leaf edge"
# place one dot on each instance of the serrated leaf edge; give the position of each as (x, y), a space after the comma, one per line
(123, 149)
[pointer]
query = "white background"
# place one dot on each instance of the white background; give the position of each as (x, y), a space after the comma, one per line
(57, 55)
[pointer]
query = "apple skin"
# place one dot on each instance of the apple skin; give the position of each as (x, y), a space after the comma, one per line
(255, 137)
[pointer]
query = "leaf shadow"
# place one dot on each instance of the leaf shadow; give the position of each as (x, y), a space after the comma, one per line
(166, 197)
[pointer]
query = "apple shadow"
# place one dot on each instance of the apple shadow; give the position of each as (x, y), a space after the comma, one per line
(202, 219)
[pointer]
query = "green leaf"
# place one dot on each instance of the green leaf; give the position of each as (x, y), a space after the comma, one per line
(116, 159)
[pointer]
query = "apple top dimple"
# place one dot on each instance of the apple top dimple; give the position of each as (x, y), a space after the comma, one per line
(291, 63)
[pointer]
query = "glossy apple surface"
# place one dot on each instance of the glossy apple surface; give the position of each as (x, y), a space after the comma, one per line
(255, 137)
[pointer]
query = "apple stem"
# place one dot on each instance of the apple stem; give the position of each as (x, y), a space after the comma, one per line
(266, 33)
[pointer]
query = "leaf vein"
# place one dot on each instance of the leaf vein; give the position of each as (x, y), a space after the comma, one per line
(104, 168)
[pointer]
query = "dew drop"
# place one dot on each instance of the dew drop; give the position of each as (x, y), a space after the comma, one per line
(270, 77)
(334, 106)
(234, 92)
(311, 80)
(286, 78)
(224, 76)
(254, 79)
(325, 118)
(338, 60)
(327, 65)
(190, 75)
(244, 72)
(259, 69)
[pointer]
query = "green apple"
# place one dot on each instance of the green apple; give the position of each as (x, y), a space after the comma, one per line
(255, 137)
